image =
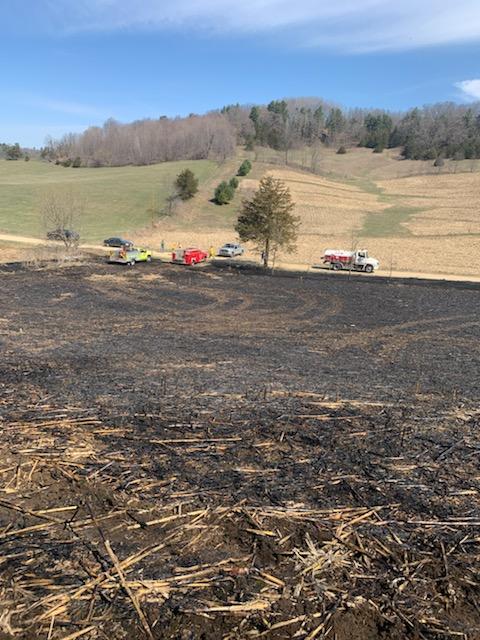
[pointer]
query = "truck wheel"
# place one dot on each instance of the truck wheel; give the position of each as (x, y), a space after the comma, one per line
(192, 263)
(368, 268)
(337, 266)
(149, 258)
(132, 263)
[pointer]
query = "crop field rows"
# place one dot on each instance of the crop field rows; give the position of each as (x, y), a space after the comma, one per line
(219, 454)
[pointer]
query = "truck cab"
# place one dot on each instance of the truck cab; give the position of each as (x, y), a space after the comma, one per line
(361, 257)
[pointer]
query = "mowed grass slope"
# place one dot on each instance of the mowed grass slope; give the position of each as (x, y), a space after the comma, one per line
(427, 223)
(117, 199)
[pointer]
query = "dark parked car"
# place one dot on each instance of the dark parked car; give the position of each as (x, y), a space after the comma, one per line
(117, 242)
(63, 234)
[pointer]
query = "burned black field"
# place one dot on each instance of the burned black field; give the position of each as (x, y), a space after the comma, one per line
(219, 454)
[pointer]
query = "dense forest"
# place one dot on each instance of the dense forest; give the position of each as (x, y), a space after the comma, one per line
(436, 132)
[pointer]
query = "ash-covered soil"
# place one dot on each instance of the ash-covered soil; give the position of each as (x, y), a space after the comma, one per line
(219, 454)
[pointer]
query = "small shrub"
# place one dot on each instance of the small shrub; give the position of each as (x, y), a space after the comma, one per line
(244, 168)
(378, 148)
(439, 162)
(67, 162)
(224, 193)
(341, 150)
(27, 158)
(234, 183)
(77, 163)
(429, 154)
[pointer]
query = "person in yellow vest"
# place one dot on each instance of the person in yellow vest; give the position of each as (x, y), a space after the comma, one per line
(211, 252)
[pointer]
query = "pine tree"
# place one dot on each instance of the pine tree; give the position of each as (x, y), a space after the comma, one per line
(244, 168)
(13, 152)
(186, 184)
(268, 220)
(224, 193)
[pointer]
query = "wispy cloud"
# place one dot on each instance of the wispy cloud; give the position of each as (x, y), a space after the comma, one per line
(35, 135)
(348, 25)
(51, 104)
(60, 106)
(470, 89)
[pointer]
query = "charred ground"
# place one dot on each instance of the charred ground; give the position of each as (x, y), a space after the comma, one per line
(218, 454)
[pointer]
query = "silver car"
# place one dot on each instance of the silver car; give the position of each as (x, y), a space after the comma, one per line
(230, 250)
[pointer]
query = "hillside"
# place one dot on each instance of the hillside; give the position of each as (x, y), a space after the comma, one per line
(410, 222)
(117, 199)
(410, 215)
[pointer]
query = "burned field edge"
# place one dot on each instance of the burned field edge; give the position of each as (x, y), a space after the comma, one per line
(225, 472)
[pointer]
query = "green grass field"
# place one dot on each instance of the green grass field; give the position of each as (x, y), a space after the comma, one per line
(117, 199)
(412, 222)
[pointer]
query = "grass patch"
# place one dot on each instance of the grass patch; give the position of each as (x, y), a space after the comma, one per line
(117, 198)
(388, 223)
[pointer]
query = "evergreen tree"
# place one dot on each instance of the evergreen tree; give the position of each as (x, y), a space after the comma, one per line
(268, 220)
(378, 129)
(13, 152)
(186, 184)
(280, 108)
(255, 118)
(335, 122)
(224, 193)
(244, 168)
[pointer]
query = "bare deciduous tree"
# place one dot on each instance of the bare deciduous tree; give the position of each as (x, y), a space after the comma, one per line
(61, 212)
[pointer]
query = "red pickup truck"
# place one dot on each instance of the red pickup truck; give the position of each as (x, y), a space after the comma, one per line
(190, 256)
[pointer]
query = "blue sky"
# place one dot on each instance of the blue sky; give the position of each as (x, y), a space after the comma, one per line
(67, 64)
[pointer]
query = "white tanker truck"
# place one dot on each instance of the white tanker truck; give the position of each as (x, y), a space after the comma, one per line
(339, 259)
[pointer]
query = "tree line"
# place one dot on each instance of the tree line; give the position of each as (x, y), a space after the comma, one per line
(442, 131)
(13, 151)
(145, 142)
(445, 130)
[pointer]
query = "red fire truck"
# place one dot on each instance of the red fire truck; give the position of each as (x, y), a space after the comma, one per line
(190, 256)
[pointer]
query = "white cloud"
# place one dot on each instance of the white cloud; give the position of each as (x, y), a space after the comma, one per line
(470, 89)
(346, 25)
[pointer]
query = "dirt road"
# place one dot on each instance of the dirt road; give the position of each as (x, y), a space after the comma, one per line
(286, 266)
